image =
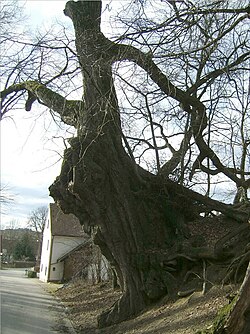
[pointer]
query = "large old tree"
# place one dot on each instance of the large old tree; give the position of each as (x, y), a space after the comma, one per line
(187, 65)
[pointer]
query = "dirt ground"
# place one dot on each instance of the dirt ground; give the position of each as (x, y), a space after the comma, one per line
(187, 315)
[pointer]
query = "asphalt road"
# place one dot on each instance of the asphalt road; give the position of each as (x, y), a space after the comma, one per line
(27, 308)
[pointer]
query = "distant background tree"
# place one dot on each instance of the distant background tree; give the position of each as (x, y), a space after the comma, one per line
(36, 222)
(37, 219)
(6, 199)
(24, 248)
(10, 235)
(14, 239)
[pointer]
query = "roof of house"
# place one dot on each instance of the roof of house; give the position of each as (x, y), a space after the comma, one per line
(64, 224)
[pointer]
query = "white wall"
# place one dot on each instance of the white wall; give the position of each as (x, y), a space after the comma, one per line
(56, 271)
(45, 255)
(53, 248)
(62, 245)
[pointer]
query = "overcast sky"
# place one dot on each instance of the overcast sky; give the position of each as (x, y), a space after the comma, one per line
(28, 157)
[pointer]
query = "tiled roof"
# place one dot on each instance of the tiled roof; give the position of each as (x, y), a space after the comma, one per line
(64, 224)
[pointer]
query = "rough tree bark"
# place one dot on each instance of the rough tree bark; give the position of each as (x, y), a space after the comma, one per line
(103, 187)
(239, 319)
(138, 217)
(134, 214)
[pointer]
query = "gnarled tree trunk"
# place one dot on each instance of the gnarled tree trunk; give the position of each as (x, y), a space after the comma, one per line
(104, 188)
(133, 214)
(138, 218)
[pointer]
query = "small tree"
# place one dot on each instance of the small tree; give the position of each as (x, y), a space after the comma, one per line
(23, 249)
(37, 219)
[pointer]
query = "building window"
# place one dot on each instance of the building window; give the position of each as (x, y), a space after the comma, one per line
(48, 245)
(42, 267)
(54, 269)
(45, 271)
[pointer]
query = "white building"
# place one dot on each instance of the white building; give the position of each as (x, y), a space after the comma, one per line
(62, 234)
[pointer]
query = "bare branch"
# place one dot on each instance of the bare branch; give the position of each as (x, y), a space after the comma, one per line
(68, 110)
